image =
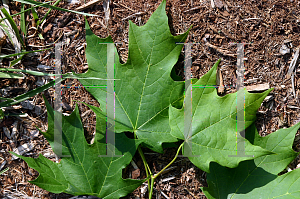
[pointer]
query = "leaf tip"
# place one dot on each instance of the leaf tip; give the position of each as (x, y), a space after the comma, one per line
(48, 106)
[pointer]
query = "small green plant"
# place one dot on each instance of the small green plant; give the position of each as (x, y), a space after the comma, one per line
(21, 36)
(149, 103)
(38, 21)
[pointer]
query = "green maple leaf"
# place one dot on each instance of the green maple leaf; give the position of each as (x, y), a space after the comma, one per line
(213, 135)
(87, 171)
(259, 178)
(144, 88)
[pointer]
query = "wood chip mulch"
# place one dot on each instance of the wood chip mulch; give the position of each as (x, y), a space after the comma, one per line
(270, 31)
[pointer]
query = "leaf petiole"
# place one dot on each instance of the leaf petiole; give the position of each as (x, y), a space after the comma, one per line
(147, 168)
(156, 175)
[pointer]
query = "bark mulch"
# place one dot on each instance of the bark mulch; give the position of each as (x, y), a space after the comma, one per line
(270, 31)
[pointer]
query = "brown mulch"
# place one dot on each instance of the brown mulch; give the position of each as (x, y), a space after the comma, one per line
(269, 29)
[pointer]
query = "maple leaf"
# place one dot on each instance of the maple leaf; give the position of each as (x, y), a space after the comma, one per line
(259, 178)
(143, 87)
(87, 170)
(213, 136)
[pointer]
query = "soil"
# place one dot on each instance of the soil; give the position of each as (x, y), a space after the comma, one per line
(269, 30)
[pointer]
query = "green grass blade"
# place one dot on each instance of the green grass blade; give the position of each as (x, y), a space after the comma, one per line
(37, 73)
(11, 75)
(4, 28)
(35, 15)
(3, 171)
(31, 2)
(13, 25)
(25, 10)
(27, 95)
(3, 98)
(23, 20)
(22, 53)
(15, 61)
(55, 4)
(1, 115)
(30, 72)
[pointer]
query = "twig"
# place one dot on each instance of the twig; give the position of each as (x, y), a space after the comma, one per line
(293, 84)
(106, 10)
(130, 16)
(195, 8)
(212, 4)
(252, 19)
(292, 107)
(167, 179)
(190, 192)
(220, 83)
(71, 33)
(291, 69)
(87, 5)
(162, 193)
(124, 6)
(224, 52)
(293, 64)
(34, 46)
(258, 87)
